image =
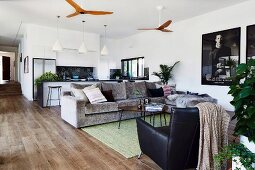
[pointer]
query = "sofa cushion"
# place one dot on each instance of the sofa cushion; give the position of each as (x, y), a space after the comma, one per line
(82, 86)
(94, 95)
(156, 92)
(108, 95)
(136, 90)
(101, 107)
(157, 99)
(150, 85)
(128, 102)
(118, 90)
(79, 94)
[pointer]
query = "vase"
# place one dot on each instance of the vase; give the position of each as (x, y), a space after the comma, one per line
(250, 145)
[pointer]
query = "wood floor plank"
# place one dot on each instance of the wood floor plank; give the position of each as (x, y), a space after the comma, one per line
(37, 138)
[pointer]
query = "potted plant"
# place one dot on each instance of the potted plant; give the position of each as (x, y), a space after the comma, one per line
(48, 76)
(165, 73)
(240, 154)
(117, 74)
(243, 92)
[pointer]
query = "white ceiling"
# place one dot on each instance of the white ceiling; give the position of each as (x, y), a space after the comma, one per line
(128, 14)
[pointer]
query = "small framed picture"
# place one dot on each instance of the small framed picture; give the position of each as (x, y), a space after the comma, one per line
(26, 65)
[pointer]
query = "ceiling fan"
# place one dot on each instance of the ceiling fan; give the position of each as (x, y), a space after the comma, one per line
(160, 27)
(79, 10)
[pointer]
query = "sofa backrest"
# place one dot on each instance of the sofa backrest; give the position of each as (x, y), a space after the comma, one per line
(136, 90)
(118, 90)
(183, 138)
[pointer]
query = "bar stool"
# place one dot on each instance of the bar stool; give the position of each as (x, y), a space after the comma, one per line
(49, 99)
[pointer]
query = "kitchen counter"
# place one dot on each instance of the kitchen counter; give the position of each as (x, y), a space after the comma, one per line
(83, 80)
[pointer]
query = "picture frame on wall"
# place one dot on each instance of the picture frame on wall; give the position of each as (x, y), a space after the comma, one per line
(220, 56)
(26, 64)
(250, 42)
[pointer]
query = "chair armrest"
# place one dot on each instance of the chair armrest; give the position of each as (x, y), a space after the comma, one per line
(152, 142)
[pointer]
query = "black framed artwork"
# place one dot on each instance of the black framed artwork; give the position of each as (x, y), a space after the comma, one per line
(220, 56)
(250, 42)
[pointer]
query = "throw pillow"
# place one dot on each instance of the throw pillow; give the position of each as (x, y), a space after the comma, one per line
(79, 94)
(172, 88)
(108, 95)
(156, 92)
(167, 90)
(94, 95)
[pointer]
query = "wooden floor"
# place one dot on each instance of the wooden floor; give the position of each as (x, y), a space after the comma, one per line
(35, 138)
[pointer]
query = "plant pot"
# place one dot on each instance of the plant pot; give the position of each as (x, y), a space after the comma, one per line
(250, 145)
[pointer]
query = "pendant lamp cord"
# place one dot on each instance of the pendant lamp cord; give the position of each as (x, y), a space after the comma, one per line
(105, 34)
(83, 31)
(57, 27)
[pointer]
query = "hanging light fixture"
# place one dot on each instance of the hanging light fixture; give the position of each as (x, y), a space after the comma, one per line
(57, 46)
(104, 50)
(83, 49)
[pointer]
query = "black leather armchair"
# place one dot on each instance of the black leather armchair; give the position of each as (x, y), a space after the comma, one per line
(174, 147)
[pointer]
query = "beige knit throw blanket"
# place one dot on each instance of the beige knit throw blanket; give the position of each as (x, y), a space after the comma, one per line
(214, 121)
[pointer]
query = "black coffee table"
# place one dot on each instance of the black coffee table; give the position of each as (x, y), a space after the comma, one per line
(143, 111)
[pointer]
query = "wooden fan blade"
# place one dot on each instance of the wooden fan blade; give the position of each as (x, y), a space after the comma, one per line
(147, 29)
(166, 24)
(98, 12)
(73, 14)
(73, 4)
(166, 30)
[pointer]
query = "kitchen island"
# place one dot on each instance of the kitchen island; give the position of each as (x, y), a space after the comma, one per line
(43, 90)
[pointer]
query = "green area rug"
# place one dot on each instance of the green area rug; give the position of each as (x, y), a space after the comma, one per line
(123, 140)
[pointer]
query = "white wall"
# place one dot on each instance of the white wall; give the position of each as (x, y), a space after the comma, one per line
(111, 61)
(185, 44)
(38, 41)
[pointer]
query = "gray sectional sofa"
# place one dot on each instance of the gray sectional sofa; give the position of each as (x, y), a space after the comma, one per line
(78, 113)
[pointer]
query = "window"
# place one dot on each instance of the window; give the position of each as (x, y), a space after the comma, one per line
(132, 68)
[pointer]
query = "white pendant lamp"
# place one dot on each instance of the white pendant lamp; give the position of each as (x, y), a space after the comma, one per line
(57, 45)
(83, 49)
(104, 50)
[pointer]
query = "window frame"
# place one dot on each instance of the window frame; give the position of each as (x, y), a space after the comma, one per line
(128, 69)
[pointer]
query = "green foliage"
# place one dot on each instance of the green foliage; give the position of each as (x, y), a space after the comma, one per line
(231, 63)
(165, 73)
(117, 73)
(243, 91)
(48, 76)
(247, 158)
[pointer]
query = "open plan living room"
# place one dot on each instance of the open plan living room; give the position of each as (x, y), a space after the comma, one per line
(125, 84)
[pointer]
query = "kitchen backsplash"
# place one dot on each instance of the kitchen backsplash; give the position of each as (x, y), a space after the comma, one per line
(72, 72)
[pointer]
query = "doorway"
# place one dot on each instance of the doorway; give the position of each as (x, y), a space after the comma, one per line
(6, 68)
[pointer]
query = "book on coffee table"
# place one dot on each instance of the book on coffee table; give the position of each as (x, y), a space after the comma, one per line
(154, 107)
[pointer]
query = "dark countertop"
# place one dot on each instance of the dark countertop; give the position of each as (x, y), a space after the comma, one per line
(62, 81)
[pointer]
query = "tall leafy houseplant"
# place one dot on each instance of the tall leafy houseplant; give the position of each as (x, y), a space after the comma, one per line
(165, 73)
(243, 91)
(48, 76)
